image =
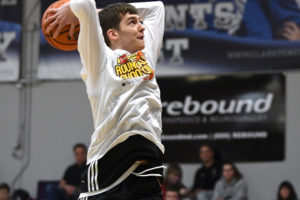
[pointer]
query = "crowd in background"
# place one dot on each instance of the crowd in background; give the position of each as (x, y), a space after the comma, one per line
(68, 188)
(214, 180)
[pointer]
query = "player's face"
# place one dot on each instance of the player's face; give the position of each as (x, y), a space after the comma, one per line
(131, 33)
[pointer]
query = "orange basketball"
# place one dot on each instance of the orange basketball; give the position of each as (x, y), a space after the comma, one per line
(63, 41)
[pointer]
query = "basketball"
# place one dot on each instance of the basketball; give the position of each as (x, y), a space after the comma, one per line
(63, 41)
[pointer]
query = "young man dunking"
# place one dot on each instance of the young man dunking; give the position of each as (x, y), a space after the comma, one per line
(119, 47)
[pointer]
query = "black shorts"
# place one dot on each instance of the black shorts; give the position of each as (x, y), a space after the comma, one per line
(133, 188)
(104, 172)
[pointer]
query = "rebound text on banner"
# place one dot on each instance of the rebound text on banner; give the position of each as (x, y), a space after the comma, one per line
(243, 116)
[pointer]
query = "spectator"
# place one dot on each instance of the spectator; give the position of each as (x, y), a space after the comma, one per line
(21, 194)
(286, 191)
(4, 191)
(207, 175)
(172, 194)
(173, 179)
(231, 186)
(68, 187)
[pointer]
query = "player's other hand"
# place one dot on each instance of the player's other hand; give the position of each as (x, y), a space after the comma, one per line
(60, 18)
(290, 31)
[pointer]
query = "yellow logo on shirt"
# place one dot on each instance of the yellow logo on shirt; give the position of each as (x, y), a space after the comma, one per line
(133, 66)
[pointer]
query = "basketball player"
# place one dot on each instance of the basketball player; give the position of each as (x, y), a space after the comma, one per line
(119, 58)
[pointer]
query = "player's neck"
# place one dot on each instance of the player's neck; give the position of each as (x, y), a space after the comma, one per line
(117, 46)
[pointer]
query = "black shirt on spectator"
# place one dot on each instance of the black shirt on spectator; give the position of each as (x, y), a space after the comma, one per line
(206, 178)
(73, 174)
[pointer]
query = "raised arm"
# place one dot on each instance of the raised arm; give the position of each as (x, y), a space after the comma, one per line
(91, 44)
(153, 16)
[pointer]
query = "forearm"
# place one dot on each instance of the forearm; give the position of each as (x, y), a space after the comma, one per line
(148, 9)
(153, 16)
(91, 44)
(81, 8)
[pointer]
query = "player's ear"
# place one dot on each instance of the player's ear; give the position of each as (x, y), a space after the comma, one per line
(112, 34)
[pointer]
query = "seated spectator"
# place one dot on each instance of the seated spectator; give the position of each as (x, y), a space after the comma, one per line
(207, 175)
(173, 179)
(4, 191)
(21, 194)
(69, 185)
(172, 194)
(286, 191)
(231, 186)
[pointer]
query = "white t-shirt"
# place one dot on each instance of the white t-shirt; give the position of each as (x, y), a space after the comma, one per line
(123, 93)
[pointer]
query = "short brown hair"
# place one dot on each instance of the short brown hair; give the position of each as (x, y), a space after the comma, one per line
(4, 186)
(237, 174)
(111, 16)
(79, 145)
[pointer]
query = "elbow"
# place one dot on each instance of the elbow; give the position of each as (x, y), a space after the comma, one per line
(159, 10)
(160, 5)
(88, 5)
(84, 5)
(155, 5)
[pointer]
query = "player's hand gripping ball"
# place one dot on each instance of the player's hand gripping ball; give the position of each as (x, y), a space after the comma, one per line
(63, 41)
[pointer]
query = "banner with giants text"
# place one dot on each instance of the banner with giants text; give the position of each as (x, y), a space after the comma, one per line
(10, 39)
(209, 37)
(242, 116)
(227, 36)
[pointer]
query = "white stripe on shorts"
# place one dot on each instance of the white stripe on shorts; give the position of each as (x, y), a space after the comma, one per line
(92, 176)
(96, 175)
(89, 179)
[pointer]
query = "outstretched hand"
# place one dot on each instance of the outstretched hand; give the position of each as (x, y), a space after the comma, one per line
(59, 18)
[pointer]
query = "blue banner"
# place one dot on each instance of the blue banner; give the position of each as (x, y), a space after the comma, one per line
(226, 36)
(210, 37)
(10, 39)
